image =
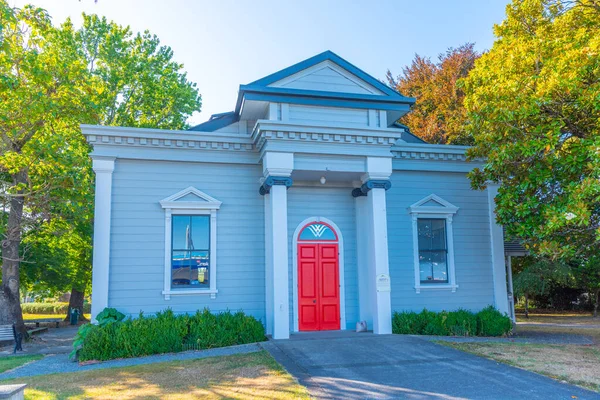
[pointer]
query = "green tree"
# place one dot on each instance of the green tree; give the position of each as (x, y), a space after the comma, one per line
(43, 88)
(533, 104)
(52, 79)
(438, 115)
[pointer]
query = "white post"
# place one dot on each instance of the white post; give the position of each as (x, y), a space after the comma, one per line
(279, 250)
(103, 167)
(378, 266)
(268, 266)
(277, 168)
(378, 169)
(497, 249)
(511, 292)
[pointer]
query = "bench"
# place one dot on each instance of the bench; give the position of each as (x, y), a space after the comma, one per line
(9, 333)
(37, 322)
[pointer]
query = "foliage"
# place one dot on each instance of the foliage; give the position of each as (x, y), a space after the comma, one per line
(490, 322)
(537, 275)
(487, 322)
(109, 315)
(163, 333)
(533, 104)
(53, 79)
(438, 115)
(51, 308)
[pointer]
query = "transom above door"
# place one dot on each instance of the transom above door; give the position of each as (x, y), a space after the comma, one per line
(318, 278)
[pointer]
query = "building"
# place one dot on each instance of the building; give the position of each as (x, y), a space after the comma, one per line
(307, 206)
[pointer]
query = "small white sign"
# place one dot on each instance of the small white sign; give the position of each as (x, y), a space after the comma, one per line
(383, 283)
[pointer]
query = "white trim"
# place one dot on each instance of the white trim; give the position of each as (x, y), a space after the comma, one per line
(340, 243)
(103, 168)
(446, 211)
(206, 205)
(497, 250)
(444, 207)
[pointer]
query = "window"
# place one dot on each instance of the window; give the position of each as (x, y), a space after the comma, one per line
(190, 251)
(190, 244)
(433, 250)
(433, 243)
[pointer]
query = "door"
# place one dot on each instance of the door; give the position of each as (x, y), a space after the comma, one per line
(318, 287)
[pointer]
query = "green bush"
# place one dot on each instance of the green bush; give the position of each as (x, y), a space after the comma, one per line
(164, 332)
(490, 322)
(51, 308)
(487, 322)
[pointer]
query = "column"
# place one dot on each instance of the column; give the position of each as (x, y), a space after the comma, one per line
(103, 167)
(277, 168)
(362, 260)
(373, 214)
(497, 250)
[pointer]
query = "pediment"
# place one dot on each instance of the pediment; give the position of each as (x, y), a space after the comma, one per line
(191, 198)
(327, 76)
(433, 204)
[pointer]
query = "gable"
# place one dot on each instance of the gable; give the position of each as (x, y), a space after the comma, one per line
(433, 204)
(191, 198)
(326, 77)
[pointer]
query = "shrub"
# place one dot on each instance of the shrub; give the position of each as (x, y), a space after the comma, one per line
(487, 322)
(461, 323)
(164, 332)
(51, 308)
(490, 322)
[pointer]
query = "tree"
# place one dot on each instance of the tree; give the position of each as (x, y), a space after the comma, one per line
(53, 79)
(533, 104)
(535, 276)
(42, 98)
(587, 274)
(438, 115)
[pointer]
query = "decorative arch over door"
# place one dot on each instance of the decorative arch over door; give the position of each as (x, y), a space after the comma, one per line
(318, 276)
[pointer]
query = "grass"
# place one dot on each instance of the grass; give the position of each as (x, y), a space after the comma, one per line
(29, 317)
(575, 364)
(571, 318)
(246, 376)
(10, 362)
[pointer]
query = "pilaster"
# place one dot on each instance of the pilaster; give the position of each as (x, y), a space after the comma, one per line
(497, 250)
(103, 167)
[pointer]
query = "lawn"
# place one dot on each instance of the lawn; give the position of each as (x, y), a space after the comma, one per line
(576, 364)
(246, 376)
(29, 317)
(10, 362)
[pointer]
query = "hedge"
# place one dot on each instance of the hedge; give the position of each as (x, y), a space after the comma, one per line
(487, 322)
(51, 308)
(165, 332)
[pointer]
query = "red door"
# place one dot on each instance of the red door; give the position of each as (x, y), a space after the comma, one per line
(318, 286)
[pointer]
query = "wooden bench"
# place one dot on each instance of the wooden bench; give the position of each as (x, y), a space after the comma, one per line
(9, 333)
(37, 322)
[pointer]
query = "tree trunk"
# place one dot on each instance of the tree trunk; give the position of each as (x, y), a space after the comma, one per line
(596, 303)
(76, 301)
(526, 306)
(10, 301)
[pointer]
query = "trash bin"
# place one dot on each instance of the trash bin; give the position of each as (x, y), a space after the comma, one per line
(74, 316)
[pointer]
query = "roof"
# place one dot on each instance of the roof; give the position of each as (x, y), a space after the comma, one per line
(260, 90)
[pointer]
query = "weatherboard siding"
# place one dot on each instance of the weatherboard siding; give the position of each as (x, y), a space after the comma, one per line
(327, 80)
(472, 249)
(324, 116)
(337, 205)
(138, 243)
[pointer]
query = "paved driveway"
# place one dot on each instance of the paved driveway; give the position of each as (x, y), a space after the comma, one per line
(366, 366)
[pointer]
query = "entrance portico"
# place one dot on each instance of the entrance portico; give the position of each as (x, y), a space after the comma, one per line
(364, 179)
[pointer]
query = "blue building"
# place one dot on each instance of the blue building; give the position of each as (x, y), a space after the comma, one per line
(307, 206)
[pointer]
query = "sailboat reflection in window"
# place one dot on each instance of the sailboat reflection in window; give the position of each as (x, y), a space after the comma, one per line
(190, 251)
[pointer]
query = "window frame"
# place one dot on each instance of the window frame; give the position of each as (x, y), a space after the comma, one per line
(446, 211)
(444, 250)
(207, 250)
(205, 205)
